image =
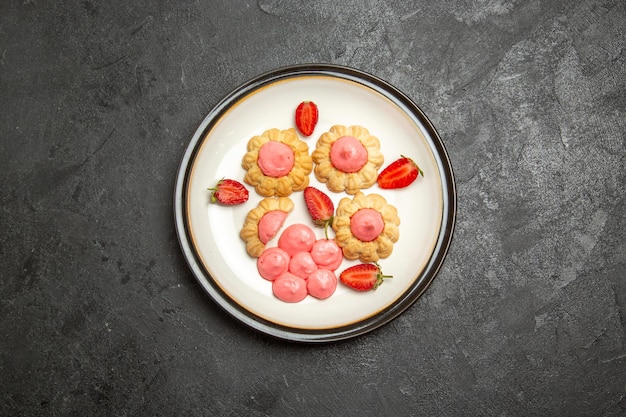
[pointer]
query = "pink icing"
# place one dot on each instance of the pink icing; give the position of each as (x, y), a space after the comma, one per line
(366, 224)
(322, 283)
(302, 265)
(275, 159)
(296, 238)
(270, 223)
(348, 154)
(289, 288)
(326, 254)
(272, 263)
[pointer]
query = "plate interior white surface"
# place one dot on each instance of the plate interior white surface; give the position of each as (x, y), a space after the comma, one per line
(215, 229)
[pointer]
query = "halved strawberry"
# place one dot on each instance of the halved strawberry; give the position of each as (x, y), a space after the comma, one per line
(229, 192)
(306, 117)
(399, 174)
(320, 207)
(363, 277)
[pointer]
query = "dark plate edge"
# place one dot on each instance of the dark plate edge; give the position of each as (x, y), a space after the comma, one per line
(341, 333)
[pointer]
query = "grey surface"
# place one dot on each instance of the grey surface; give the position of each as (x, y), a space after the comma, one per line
(100, 315)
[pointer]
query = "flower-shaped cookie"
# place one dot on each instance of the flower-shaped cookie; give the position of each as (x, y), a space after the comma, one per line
(263, 222)
(366, 227)
(277, 163)
(347, 159)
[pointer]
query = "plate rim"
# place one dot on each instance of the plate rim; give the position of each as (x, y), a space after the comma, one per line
(424, 277)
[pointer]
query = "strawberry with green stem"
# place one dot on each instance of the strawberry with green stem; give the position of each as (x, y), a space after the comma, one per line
(320, 206)
(229, 192)
(363, 277)
(399, 174)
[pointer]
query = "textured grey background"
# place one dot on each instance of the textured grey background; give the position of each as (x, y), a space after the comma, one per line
(99, 314)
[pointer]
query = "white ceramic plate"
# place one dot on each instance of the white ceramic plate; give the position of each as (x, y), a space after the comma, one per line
(209, 233)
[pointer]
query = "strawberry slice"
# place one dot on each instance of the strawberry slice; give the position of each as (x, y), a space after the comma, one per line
(399, 174)
(320, 206)
(229, 192)
(306, 117)
(363, 277)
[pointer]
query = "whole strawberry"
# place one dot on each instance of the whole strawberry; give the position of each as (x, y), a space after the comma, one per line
(363, 277)
(229, 192)
(320, 206)
(399, 174)
(306, 117)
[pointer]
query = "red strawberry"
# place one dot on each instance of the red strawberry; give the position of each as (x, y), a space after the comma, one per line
(399, 174)
(363, 277)
(306, 117)
(229, 192)
(320, 207)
